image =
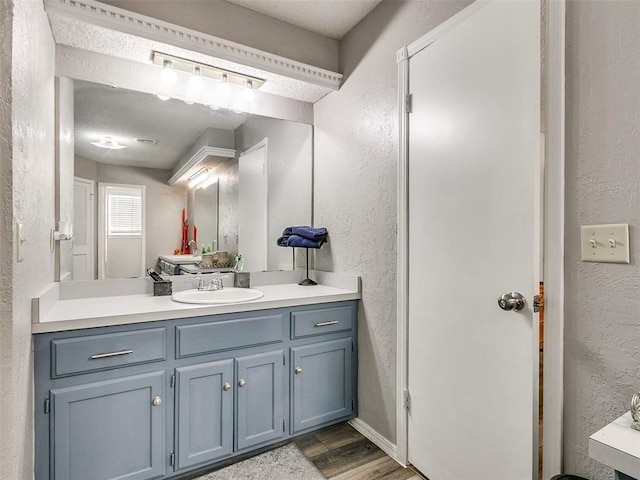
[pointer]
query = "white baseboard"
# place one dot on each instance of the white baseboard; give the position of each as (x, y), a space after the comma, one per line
(385, 445)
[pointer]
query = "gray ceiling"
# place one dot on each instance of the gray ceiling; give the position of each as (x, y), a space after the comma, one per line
(124, 114)
(331, 18)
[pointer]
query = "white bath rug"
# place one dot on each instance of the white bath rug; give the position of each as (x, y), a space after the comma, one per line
(284, 463)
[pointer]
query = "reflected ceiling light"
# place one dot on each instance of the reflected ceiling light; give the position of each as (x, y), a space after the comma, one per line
(215, 108)
(109, 143)
(162, 97)
(168, 75)
(199, 177)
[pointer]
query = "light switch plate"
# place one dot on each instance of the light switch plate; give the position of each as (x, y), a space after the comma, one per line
(605, 243)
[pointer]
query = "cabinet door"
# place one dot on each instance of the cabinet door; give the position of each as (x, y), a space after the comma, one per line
(322, 383)
(109, 430)
(204, 403)
(260, 412)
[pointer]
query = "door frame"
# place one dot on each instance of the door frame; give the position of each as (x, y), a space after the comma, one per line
(91, 227)
(553, 231)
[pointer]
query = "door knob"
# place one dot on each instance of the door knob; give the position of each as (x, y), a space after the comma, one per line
(298, 370)
(156, 401)
(242, 383)
(226, 386)
(512, 301)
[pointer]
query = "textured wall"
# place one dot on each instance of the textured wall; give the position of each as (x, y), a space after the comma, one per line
(289, 165)
(7, 425)
(602, 351)
(355, 179)
(28, 170)
(241, 25)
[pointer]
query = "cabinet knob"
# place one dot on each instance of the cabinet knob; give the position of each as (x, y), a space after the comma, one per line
(241, 382)
(156, 401)
(298, 370)
(226, 386)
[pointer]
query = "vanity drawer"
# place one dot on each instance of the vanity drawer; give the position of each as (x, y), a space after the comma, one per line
(229, 334)
(321, 321)
(98, 352)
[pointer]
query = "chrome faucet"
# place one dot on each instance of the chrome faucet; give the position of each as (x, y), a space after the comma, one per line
(214, 284)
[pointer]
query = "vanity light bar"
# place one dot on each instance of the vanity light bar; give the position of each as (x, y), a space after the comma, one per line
(186, 66)
(198, 177)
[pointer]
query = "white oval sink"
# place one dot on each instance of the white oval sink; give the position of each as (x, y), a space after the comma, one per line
(226, 295)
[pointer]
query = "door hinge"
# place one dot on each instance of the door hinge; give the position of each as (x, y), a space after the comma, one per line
(407, 400)
(172, 382)
(353, 405)
(537, 303)
(47, 405)
(407, 103)
(284, 424)
(353, 347)
(284, 359)
(172, 459)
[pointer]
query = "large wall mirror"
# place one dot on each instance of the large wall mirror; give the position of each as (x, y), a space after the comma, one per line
(129, 143)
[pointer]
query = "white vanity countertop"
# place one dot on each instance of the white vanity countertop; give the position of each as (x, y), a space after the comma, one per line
(617, 445)
(90, 312)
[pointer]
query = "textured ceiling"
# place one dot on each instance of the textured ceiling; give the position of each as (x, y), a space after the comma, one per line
(331, 18)
(101, 111)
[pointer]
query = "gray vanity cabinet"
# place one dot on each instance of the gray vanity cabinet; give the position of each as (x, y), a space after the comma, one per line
(260, 399)
(322, 372)
(160, 400)
(204, 406)
(112, 429)
(322, 382)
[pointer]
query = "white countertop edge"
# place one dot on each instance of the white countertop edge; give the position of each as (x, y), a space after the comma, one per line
(180, 310)
(114, 287)
(42, 305)
(617, 445)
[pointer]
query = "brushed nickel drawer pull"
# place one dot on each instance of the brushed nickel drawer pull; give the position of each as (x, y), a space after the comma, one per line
(110, 354)
(326, 324)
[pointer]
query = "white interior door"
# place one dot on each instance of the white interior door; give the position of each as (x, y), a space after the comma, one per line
(252, 208)
(473, 181)
(84, 245)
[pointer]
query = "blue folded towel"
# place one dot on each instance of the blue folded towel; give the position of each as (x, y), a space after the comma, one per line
(300, 242)
(311, 233)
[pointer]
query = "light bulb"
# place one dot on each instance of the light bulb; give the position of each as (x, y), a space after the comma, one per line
(195, 81)
(168, 74)
(248, 94)
(223, 91)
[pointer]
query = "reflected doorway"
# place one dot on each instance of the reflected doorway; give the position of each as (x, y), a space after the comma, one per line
(252, 207)
(121, 232)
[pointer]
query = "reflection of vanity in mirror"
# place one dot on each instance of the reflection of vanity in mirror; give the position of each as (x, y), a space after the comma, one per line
(258, 181)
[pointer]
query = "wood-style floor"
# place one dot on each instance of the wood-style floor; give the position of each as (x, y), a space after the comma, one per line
(340, 453)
